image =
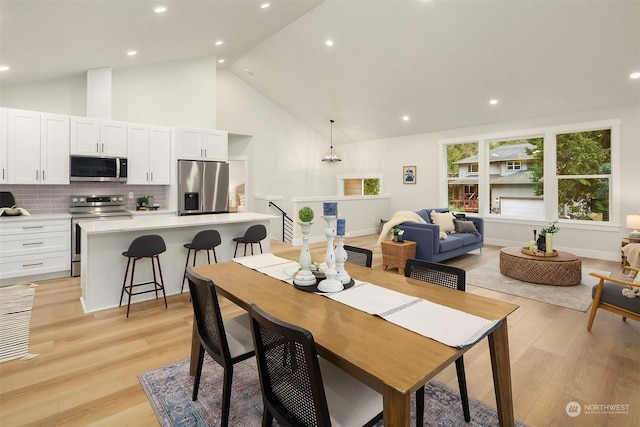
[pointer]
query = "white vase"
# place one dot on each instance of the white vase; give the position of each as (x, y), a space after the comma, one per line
(549, 242)
(341, 257)
(305, 277)
(330, 284)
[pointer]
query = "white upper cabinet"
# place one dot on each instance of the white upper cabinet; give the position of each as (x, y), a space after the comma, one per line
(202, 144)
(92, 137)
(38, 148)
(149, 150)
(3, 146)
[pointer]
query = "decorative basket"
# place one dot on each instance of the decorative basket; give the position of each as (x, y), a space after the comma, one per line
(525, 250)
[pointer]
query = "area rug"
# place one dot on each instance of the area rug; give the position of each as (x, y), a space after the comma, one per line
(576, 297)
(16, 302)
(169, 391)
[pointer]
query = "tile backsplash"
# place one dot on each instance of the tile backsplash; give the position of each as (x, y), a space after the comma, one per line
(47, 199)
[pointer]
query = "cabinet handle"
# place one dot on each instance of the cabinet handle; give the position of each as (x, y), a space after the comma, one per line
(2, 173)
(103, 147)
(31, 265)
(32, 227)
(151, 176)
(36, 174)
(205, 152)
(43, 178)
(34, 243)
(97, 147)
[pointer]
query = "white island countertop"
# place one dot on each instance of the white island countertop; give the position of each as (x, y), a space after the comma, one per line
(155, 223)
(102, 243)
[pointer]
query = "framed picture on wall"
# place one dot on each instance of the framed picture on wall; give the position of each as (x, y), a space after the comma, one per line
(408, 174)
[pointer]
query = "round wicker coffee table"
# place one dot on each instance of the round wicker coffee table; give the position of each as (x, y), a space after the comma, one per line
(562, 270)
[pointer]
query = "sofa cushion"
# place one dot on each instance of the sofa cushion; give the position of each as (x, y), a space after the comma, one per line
(444, 220)
(452, 242)
(464, 226)
(468, 238)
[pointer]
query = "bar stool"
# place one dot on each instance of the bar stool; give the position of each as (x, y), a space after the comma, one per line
(254, 234)
(149, 246)
(205, 240)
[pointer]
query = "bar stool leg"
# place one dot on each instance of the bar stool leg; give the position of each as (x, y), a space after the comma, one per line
(234, 252)
(124, 283)
(133, 270)
(184, 277)
(164, 295)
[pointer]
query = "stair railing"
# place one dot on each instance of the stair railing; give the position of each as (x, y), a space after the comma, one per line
(287, 224)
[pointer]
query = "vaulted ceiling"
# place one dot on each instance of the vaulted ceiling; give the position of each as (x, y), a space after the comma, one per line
(438, 62)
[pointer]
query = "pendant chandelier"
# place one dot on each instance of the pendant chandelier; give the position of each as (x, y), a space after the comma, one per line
(331, 156)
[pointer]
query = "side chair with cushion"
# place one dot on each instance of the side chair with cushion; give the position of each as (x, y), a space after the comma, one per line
(227, 342)
(607, 294)
(360, 256)
(301, 389)
(450, 277)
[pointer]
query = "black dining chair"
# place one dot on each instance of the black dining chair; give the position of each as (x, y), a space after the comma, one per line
(227, 342)
(360, 256)
(301, 389)
(205, 240)
(450, 277)
(254, 234)
(150, 247)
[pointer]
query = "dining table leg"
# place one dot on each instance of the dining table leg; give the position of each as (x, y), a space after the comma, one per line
(501, 367)
(396, 408)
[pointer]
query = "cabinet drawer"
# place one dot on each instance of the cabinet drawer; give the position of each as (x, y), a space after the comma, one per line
(35, 243)
(21, 227)
(27, 265)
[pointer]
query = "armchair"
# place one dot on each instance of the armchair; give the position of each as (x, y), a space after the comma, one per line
(607, 294)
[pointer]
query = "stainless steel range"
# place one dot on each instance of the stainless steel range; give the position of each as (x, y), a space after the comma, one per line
(92, 208)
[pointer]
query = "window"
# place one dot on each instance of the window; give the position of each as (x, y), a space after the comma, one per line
(462, 177)
(583, 171)
(514, 166)
(564, 172)
(359, 186)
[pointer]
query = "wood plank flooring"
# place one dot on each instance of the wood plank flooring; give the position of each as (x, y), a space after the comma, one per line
(87, 370)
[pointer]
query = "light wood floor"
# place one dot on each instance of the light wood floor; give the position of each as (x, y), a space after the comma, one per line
(87, 370)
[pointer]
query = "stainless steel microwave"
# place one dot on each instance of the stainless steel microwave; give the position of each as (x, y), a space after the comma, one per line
(85, 168)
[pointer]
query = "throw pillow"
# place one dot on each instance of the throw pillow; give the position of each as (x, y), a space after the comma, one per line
(465, 227)
(444, 220)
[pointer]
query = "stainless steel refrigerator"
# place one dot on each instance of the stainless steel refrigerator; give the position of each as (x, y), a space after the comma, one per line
(203, 187)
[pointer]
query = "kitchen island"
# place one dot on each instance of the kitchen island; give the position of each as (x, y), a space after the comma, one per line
(102, 244)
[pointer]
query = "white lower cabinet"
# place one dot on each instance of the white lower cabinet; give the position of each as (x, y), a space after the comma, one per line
(34, 247)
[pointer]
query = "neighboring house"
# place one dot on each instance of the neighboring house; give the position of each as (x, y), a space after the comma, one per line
(512, 192)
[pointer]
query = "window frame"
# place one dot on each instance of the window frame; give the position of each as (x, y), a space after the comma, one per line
(551, 177)
(361, 176)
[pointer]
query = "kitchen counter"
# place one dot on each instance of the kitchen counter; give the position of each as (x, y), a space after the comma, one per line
(34, 217)
(102, 244)
(159, 212)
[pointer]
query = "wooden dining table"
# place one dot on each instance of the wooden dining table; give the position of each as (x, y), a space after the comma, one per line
(390, 359)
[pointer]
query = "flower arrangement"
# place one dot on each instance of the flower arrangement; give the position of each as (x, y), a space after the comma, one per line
(306, 214)
(550, 230)
(397, 234)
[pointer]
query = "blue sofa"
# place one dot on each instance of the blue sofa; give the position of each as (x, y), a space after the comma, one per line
(429, 245)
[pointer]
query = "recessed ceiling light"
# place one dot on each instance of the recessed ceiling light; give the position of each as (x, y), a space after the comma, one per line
(406, 118)
(4, 68)
(635, 75)
(265, 5)
(132, 52)
(219, 42)
(220, 61)
(493, 101)
(160, 9)
(329, 42)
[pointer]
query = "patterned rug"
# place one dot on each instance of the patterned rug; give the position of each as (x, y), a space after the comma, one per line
(169, 391)
(16, 302)
(576, 297)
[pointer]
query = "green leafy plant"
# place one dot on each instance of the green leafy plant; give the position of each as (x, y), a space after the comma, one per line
(397, 232)
(305, 214)
(142, 201)
(550, 230)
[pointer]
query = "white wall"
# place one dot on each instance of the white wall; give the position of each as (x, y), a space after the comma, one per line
(284, 154)
(66, 95)
(391, 154)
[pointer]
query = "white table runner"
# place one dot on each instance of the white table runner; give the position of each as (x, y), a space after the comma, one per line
(444, 324)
